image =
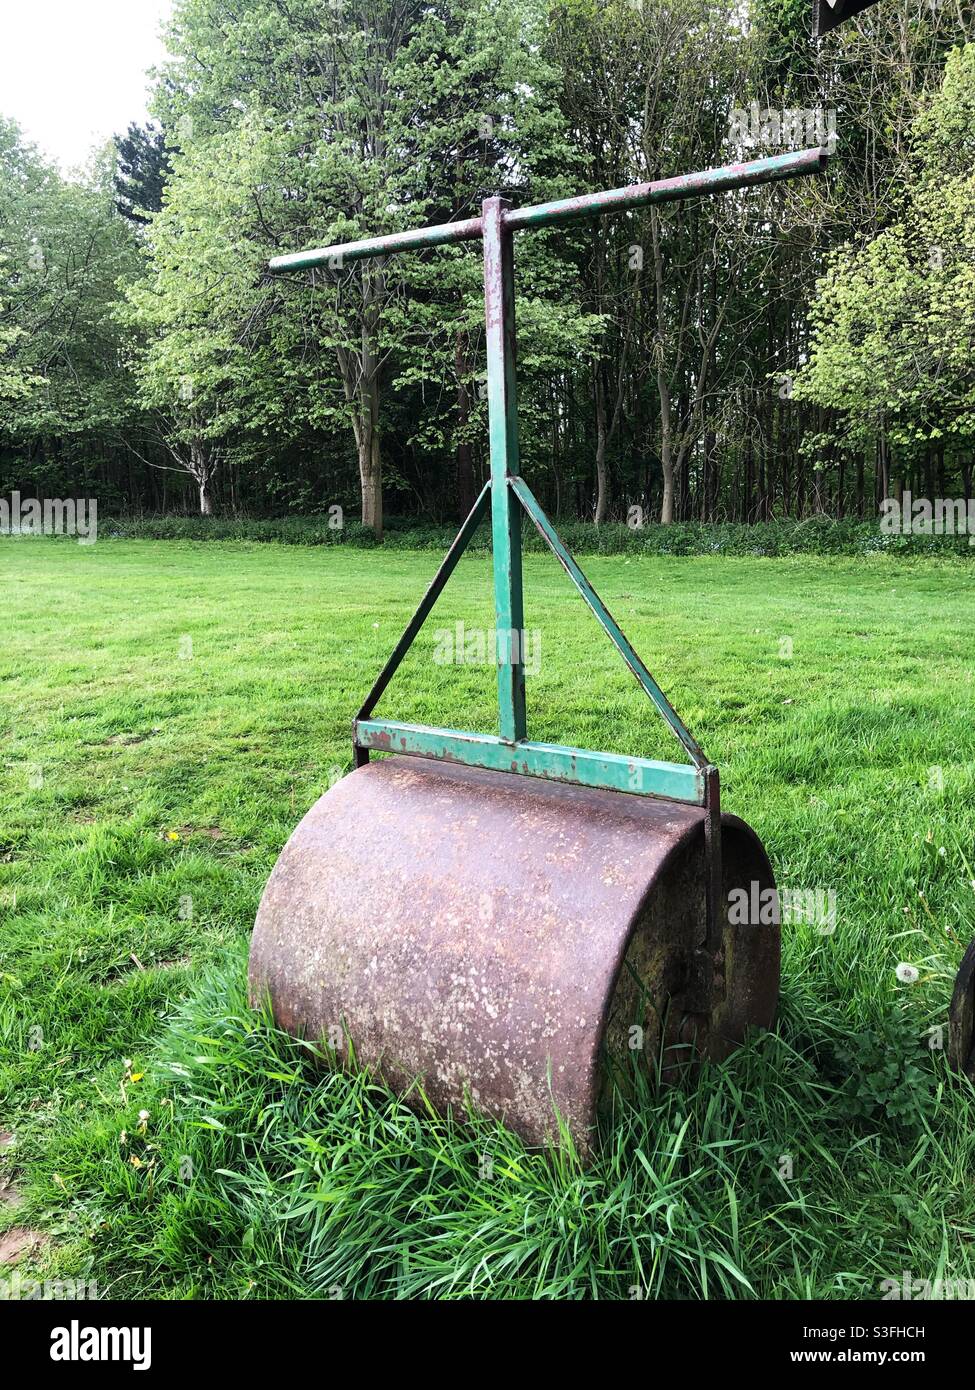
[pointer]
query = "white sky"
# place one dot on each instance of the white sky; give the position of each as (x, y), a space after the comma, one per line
(72, 72)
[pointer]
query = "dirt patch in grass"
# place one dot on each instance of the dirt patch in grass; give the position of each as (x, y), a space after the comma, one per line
(18, 1242)
(126, 740)
(10, 1194)
(186, 832)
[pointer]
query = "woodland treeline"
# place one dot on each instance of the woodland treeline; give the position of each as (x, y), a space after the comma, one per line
(778, 352)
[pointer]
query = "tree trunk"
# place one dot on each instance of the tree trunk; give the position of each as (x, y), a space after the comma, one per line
(360, 381)
(884, 466)
(663, 386)
(464, 457)
(556, 452)
(682, 464)
(202, 471)
(708, 488)
(601, 488)
(367, 434)
(370, 476)
(666, 449)
(928, 474)
(840, 484)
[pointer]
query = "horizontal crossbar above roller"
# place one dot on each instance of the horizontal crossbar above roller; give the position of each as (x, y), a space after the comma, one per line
(672, 190)
(334, 257)
(612, 771)
(730, 176)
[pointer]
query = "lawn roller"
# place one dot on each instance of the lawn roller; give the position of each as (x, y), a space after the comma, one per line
(498, 920)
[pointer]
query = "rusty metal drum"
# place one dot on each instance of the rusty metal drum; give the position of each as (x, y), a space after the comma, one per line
(500, 939)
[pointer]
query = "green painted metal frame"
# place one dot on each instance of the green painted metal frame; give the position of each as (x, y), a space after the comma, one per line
(509, 495)
(675, 781)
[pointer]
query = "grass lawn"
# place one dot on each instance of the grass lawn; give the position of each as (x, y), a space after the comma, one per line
(170, 710)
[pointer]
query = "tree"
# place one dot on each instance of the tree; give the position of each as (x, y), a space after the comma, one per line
(894, 318)
(660, 356)
(191, 317)
(649, 91)
(143, 168)
(344, 121)
(17, 379)
(63, 250)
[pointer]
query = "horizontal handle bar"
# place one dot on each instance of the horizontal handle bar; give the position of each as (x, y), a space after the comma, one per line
(336, 256)
(779, 166)
(550, 761)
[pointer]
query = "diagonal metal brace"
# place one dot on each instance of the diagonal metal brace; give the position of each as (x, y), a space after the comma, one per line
(607, 622)
(435, 589)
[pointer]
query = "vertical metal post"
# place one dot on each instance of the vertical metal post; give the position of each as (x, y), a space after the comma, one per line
(712, 856)
(499, 307)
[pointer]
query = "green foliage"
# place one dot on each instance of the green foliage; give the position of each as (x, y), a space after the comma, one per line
(894, 318)
(63, 250)
(318, 145)
(154, 361)
(884, 1074)
(776, 538)
(17, 378)
(189, 316)
(143, 167)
